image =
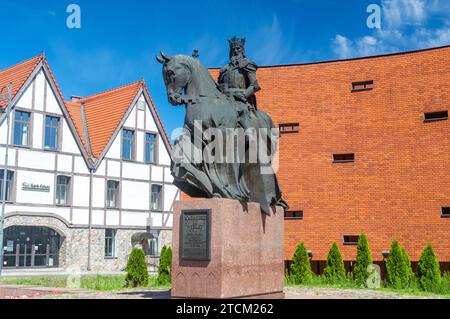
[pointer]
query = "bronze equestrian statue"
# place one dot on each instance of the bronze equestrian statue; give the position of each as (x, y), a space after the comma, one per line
(217, 113)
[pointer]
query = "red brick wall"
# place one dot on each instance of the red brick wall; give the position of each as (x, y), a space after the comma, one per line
(401, 175)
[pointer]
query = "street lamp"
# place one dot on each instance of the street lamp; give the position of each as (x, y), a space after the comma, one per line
(5, 97)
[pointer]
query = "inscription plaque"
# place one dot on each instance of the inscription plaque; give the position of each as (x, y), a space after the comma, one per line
(195, 235)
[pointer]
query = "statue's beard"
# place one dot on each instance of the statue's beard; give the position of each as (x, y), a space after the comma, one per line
(237, 57)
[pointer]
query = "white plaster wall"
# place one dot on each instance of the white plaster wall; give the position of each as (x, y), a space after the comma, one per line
(38, 134)
(98, 217)
(69, 145)
(171, 194)
(39, 91)
(114, 150)
(80, 217)
(112, 218)
(169, 221)
(141, 118)
(157, 219)
(164, 157)
(32, 197)
(135, 171)
(3, 131)
(80, 166)
(134, 219)
(168, 178)
(135, 195)
(101, 171)
(26, 100)
(64, 163)
(62, 212)
(113, 169)
(37, 160)
(98, 192)
(140, 146)
(131, 119)
(80, 191)
(52, 103)
(11, 156)
(157, 174)
(150, 124)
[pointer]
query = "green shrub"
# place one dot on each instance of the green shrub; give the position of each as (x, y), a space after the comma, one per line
(428, 270)
(301, 266)
(398, 266)
(137, 274)
(165, 265)
(334, 270)
(363, 260)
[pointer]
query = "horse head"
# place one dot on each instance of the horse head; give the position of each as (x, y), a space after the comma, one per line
(176, 75)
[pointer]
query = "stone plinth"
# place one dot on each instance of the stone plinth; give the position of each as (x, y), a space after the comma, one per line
(247, 253)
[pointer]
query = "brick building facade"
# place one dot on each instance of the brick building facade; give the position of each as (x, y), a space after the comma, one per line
(364, 148)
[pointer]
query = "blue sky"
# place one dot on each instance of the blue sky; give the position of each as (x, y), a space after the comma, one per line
(118, 40)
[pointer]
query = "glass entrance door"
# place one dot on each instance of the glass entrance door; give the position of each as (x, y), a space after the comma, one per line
(26, 246)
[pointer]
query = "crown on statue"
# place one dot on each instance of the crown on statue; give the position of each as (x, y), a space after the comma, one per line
(235, 41)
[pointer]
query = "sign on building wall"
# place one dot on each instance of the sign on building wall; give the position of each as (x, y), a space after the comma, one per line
(29, 187)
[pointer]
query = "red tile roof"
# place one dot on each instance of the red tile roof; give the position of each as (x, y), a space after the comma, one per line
(104, 112)
(18, 75)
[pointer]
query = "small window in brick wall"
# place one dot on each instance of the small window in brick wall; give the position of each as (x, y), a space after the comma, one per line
(286, 128)
(362, 86)
(435, 116)
(445, 212)
(293, 214)
(351, 240)
(343, 158)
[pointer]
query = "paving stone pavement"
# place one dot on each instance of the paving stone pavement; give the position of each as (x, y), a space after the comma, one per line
(291, 293)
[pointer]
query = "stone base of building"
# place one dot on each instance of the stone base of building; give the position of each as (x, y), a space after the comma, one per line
(74, 244)
(246, 253)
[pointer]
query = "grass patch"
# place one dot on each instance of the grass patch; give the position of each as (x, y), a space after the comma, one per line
(53, 281)
(95, 282)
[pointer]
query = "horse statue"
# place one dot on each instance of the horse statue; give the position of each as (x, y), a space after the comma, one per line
(206, 160)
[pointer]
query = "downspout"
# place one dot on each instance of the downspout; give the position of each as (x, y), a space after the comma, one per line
(91, 174)
(90, 219)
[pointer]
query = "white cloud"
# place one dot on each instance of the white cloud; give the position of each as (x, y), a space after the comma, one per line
(405, 26)
(397, 13)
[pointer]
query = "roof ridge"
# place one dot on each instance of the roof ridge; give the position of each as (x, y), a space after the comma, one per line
(110, 90)
(39, 57)
(349, 59)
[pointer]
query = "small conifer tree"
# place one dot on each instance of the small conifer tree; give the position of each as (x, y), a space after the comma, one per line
(165, 265)
(428, 270)
(334, 270)
(363, 260)
(398, 266)
(301, 265)
(137, 274)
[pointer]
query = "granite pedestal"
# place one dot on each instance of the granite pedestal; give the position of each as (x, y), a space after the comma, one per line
(242, 251)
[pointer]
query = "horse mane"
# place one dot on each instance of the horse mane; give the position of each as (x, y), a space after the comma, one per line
(200, 71)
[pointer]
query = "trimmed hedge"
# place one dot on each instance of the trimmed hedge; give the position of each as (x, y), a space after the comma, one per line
(363, 260)
(301, 265)
(137, 274)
